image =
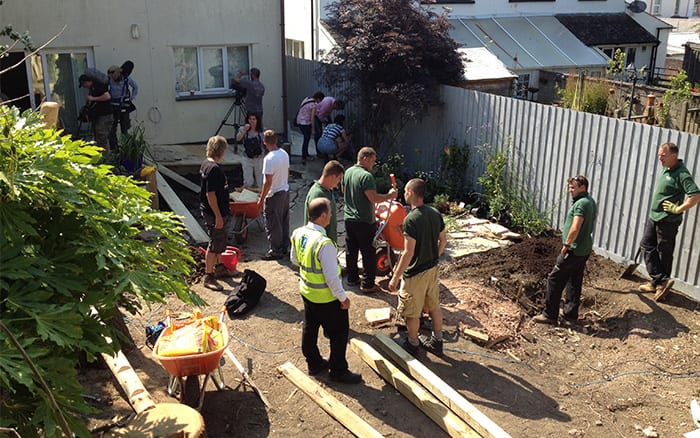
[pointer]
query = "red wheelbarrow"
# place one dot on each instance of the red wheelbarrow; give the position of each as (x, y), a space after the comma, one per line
(242, 211)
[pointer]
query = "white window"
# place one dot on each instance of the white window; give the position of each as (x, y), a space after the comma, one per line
(656, 7)
(208, 70)
(294, 48)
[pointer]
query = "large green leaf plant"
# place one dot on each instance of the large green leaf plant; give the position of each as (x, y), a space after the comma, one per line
(76, 243)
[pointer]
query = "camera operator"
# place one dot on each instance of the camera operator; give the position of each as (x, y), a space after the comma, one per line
(254, 92)
(123, 90)
(98, 104)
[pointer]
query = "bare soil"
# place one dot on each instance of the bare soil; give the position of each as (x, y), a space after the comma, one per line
(629, 364)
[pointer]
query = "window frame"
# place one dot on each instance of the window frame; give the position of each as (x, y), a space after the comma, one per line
(204, 92)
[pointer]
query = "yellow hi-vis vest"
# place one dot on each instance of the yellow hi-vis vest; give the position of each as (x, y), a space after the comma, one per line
(307, 243)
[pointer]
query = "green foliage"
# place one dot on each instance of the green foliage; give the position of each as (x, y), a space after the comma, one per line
(392, 164)
(133, 144)
(595, 97)
(510, 201)
(454, 163)
(680, 90)
(71, 240)
(616, 65)
(394, 55)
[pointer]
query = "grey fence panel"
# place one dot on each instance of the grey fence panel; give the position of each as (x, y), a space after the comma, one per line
(547, 145)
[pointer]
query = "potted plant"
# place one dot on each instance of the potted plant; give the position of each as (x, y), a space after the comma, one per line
(133, 145)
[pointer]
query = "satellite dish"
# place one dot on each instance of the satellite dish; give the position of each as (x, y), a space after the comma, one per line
(637, 6)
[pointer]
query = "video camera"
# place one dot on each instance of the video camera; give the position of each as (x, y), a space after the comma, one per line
(238, 91)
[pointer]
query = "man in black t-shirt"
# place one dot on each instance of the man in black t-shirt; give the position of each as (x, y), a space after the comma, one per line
(98, 102)
(214, 205)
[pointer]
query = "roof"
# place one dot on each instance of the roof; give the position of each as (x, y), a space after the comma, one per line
(527, 42)
(480, 64)
(606, 29)
(677, 41)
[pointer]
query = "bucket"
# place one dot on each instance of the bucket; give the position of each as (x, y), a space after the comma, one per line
(229, 257)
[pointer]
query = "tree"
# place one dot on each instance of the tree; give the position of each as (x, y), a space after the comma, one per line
(395, 54)
(76, 241)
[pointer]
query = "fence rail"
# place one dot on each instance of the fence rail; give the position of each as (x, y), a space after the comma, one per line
(546, 145)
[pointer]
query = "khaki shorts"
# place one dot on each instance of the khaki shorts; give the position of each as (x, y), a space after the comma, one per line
(421, 290)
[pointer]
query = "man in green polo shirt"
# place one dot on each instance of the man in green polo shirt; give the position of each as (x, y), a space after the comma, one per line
(571, 261)
(323, 188)
(665, 216)
(424, 241)
(360, 192)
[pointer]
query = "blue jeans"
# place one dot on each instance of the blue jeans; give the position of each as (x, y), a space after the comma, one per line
(306, 132)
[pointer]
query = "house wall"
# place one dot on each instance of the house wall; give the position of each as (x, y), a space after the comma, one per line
(104, 27)
(504, 7)
(299, 16)
(661, 30)
(667, 8)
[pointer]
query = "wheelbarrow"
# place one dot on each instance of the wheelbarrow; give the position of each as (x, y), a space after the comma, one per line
(242, 211)
(185, 370)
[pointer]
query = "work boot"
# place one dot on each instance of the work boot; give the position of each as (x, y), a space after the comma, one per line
(431, 344)
(543, 319)
(210, 283)
(647, 287)
(221, 271)
(662, 290)
(406, 344)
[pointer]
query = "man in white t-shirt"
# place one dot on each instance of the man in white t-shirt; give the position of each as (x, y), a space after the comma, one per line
(274, 197)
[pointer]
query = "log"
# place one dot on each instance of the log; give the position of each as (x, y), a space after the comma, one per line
(474, 335)
(136, 393)
(327, 402)
(178, 178)
(415, 393)
(193, 228)
(441, 390)
(168, 420)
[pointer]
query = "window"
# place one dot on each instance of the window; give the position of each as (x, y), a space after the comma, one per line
(656, 7)
(201, 71)
(294, 48)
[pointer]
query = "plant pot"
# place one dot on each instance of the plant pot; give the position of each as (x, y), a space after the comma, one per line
(131, 165)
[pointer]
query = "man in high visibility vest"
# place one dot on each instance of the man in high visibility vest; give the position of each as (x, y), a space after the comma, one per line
(325, 301)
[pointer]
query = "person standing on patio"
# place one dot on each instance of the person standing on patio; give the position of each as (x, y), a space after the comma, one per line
(668, 202)
(571, 262)
(274, 197)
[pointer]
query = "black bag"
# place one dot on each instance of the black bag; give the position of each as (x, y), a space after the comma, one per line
(252, 145)
(246, 295)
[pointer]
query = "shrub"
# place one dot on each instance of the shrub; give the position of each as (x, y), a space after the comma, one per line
(71, 240)
(510, 201)
(594, 100)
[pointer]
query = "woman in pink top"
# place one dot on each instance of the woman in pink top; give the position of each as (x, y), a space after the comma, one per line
(305, 119)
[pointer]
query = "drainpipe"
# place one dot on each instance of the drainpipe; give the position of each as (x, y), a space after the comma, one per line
(284, 72)
(313, 42)
(652, 70)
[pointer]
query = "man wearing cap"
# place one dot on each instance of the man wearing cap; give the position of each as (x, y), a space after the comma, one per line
(123, 90)
(98, 102)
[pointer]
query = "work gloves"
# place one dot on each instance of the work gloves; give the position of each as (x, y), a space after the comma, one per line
(670, 207)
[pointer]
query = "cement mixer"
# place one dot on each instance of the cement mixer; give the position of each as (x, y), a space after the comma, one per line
(389, 236)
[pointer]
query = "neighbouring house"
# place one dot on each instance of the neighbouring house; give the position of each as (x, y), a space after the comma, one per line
(670, 8)
(185, 55)
(483, 71)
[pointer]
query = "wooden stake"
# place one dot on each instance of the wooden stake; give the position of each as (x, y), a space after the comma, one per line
(327, 402)
(430, 405)
(441, 390)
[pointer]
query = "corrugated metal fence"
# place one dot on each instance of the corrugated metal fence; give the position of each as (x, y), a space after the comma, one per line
(547, 145)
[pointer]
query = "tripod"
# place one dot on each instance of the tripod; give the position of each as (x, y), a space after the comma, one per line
(240, 114)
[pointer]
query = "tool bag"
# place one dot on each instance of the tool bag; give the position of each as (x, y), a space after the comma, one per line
(246, 295)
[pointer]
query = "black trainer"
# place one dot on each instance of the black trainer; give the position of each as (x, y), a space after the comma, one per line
(320, 368)
(431, 344)
(347, 377)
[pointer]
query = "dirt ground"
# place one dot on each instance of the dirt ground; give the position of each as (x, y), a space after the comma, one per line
(630, 363)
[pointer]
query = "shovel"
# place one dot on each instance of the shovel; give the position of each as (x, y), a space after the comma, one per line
(629, 270)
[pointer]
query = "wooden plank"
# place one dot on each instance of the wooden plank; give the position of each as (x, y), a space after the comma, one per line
(441, 390)
(327, 402)
(417, 395)
(178, 178)
(247, 378)
(473, 334)
(176, 205)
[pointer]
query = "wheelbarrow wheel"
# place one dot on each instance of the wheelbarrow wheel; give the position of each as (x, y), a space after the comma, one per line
(386, 259)
(190, 392)
(240, 229)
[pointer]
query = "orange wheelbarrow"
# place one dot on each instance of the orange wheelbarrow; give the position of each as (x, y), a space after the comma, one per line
(185, 370)
(242, 211)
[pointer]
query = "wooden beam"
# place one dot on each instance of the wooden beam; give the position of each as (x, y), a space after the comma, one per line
(193, 228)
(247, 378)
(441, 390)
(431, 406)
(137, 395)
(327, 402)
(178, 178)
